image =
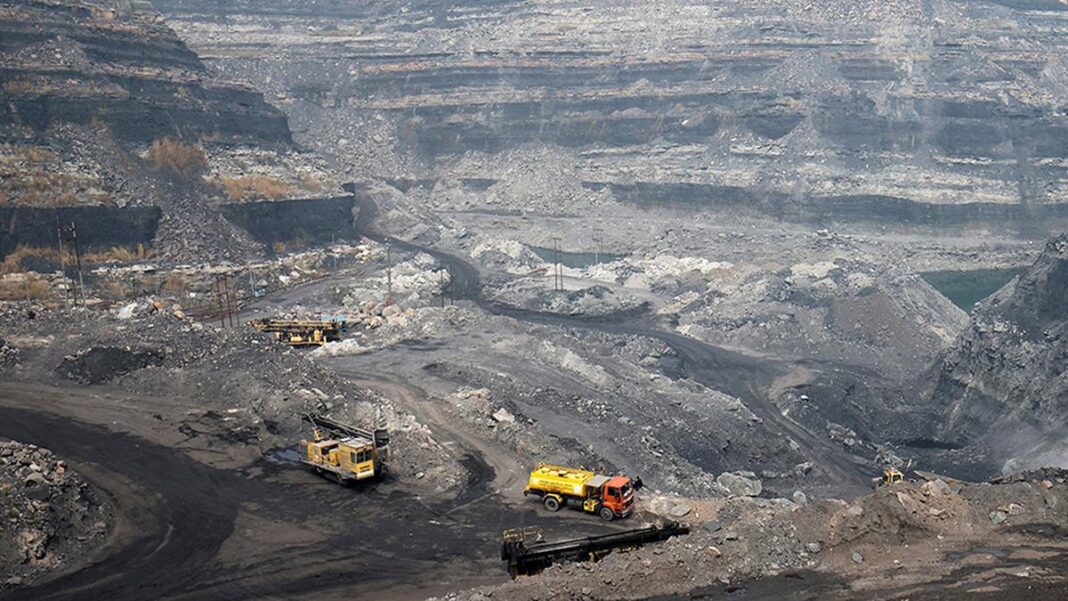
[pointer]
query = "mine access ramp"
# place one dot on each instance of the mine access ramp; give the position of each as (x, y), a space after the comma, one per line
(526, 553)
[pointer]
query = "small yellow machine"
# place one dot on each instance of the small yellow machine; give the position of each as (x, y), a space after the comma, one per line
(345, 452)
(891, 475)
(300, 332)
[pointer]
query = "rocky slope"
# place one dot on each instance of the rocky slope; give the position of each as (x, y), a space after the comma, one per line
(898, 542)
(247, 389)
(1005, 381)
(117, 64)
(944, 112)
(50, 515)
(86, 88)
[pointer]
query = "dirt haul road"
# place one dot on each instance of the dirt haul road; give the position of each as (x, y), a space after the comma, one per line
(194, 525)
(746, 377)
(190, 530)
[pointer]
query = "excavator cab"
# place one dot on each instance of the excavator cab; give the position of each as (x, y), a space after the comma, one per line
(891, 475)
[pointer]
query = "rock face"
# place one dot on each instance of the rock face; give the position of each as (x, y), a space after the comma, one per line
(845, 310)
(741, 484)
(1005, 381)
(941, 112)
(50, 515)
(87, 86)
(117, 65)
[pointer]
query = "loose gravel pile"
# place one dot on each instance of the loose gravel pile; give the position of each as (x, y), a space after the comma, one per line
(48, 515)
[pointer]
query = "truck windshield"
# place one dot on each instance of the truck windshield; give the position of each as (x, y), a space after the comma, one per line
(626, 489)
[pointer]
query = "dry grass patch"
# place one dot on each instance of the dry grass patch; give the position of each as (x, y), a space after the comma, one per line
(20, 86)
(311, 183)
(34, 176)
(281, 248)
(29, 286)
(14, 261)
(119, 254)
(173, 284)
(187, 160)
(36, 154)
(254, 187)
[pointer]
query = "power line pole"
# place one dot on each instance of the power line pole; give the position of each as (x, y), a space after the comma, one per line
(78, 260)
(231, 300)
(224, 296)
(69, 233)
(63, 260)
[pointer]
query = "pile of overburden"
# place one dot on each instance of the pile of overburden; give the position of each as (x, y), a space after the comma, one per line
(50, 516)
(251, 388)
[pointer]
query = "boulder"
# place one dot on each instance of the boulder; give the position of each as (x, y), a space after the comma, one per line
(740, 484)
(679, 511)
(936, 487)
(502, 415)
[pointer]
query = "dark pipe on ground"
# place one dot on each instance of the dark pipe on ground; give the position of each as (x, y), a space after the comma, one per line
(531, 557)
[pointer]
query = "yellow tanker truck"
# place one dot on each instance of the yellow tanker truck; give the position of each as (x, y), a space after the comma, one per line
(610, 497)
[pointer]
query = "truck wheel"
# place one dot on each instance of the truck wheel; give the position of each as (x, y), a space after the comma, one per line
(551, 504)
(606, 514)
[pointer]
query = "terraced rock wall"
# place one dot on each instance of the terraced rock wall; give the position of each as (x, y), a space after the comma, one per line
(880, 110)
(85, 62)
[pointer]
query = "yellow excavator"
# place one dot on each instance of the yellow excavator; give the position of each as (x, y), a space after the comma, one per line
(891, 475)
(345, 453)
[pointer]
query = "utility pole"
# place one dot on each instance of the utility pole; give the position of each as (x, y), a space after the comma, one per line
(232, 297)
(441, 286)
(78, 260)
(69, 234)
(224, 295)
(63, 259)
(219, 299)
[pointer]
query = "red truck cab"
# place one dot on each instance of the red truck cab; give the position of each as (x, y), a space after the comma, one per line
(617, 494)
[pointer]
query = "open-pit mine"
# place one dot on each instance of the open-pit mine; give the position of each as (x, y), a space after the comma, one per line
(489, 299)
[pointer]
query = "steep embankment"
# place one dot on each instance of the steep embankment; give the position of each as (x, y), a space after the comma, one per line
(1004, 384)
(88, 86)
(943, 112)
(93, 61)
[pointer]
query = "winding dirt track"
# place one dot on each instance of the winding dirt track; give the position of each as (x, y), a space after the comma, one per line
(746, 377)
(173, 494)
(187, 530)
(191, 531)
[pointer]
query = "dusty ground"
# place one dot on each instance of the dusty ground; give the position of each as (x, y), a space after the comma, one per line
(51, 516)
(488, 387)
(748, 325)
(191, 523)
(910, 540)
